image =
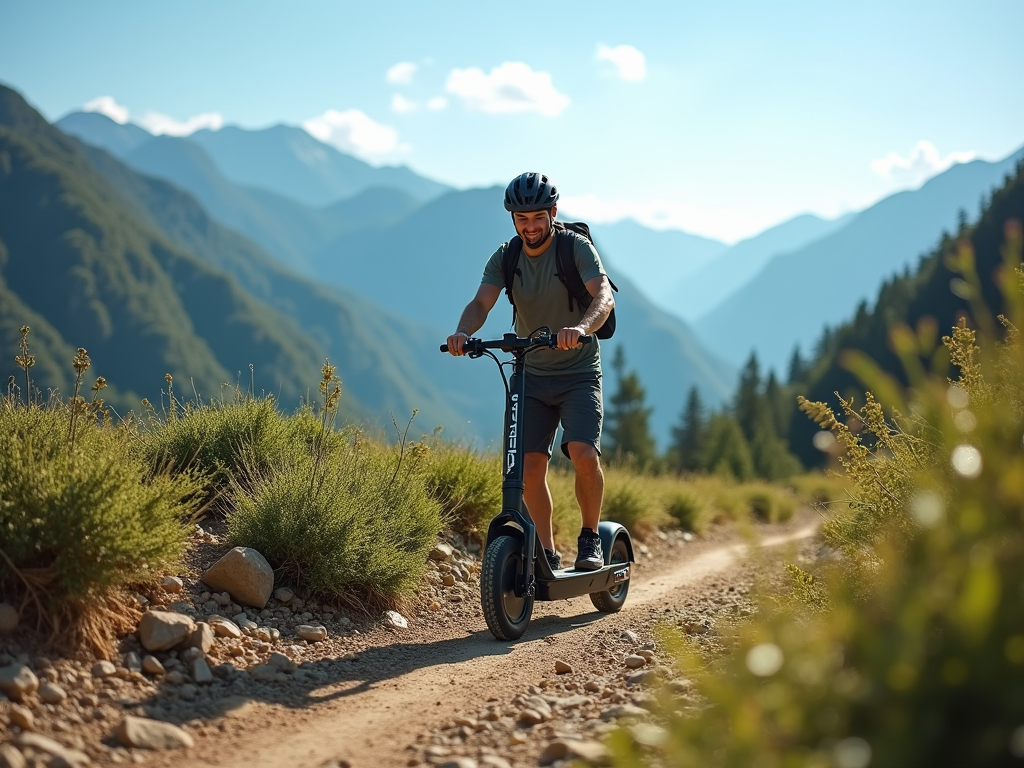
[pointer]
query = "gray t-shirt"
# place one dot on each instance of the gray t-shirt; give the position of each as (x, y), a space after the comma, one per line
(542, 299)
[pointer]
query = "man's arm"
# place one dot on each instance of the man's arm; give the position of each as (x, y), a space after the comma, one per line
(473, 316)
(602, 305)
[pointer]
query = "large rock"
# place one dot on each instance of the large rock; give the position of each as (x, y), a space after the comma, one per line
(59, 754)
(143, 733)
(18, 681)
(201, 637)
(244, 574)
(565, 749)
(11, 757)
(162, 630)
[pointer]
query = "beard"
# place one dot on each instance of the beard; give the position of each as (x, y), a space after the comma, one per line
(539, 239)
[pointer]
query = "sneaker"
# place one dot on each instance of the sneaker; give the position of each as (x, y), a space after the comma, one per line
(554, 559)
(590, 558)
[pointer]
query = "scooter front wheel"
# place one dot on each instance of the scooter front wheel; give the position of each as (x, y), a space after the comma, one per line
(506, 613)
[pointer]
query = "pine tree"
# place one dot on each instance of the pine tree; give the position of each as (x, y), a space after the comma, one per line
(629, 432)
(726, 451)
(777, 403)
(688, 437)
(747, 402)
(797, 367)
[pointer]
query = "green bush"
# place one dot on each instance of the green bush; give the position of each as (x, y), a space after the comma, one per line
(769, 503)
(354, 522)
(467, 485)
(690, 510)
(220, 438)
(79, 524)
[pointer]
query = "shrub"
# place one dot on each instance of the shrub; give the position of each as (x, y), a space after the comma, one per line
(220, 438)
(353, 523)
(769, 503)
(467, 485)
(690, 510)
(79, 524)
(626, 502)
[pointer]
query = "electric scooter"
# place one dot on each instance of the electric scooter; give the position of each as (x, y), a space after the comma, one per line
(514, 572)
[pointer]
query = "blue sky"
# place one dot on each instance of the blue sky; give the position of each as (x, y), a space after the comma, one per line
(719, 118)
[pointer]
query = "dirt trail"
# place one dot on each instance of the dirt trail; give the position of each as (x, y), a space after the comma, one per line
(392, 693)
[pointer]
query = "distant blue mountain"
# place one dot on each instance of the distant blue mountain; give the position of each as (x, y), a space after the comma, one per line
(656, 261)
(797, 293)
(696, 294)
(281, 159)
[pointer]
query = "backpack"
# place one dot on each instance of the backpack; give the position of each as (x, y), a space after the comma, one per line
(565, 270)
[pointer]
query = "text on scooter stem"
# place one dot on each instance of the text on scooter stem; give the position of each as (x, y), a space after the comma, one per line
(510, 458)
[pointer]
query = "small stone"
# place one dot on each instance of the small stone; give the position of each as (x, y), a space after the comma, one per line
(175, 677)
(244, 574)
(573, 749)
(51, 693)
(222, 599)
(649, 735)
(530, 717)
(21, 717)
(162, 630)
(682, 685)
(650, 645)
(283, 595)
(441, 552)
(201, 671)
(396, 620)
(311, 633)
(448, 580)
(634, 661)
(201, 637)
(630, 637)
(172, 585)
(103, 669)
(132, 662)
(152, 665)
(647, 654)
(265, 673)
(641, 677)
(224, 627)
(8, 618)
(494, 761)
(18, 681)
(459, 762)
(687, 536)
(11, 757)
(592, 686)
(625, 711)
(190, 654)
(59, 754)
(282, 663)
(562, 668)
(143, 733)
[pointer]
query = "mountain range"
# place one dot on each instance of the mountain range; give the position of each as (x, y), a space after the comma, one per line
(797, 292)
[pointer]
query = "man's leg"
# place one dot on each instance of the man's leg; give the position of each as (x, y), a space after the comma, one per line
(589, 482)
(537, 496)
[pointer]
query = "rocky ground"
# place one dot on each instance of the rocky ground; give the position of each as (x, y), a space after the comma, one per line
(300, 683)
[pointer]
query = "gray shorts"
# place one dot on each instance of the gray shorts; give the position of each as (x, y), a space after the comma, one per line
(574, 399)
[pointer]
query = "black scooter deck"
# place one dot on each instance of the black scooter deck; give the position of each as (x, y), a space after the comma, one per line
(568, 582)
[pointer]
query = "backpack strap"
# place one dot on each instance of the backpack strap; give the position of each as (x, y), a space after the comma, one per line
(569, 273)
(510, 268)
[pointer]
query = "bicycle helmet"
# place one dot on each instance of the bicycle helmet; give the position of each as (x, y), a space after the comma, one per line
(530, 192)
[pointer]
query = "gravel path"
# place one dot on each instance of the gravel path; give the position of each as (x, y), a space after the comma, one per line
(440, 692)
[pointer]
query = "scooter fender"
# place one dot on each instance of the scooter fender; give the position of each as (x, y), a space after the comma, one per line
(505, 523)
(609, 532)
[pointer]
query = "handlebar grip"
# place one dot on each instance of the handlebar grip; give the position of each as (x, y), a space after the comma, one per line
(586, 339)
(444, 347)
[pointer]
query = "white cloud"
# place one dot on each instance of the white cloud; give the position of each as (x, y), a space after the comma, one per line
(630, 64)
(355, 132)
(106, 105)
(722, 224)
(437, 103)
(401, 73)
(511, 87)
(159, 124)
(402, 105)
(921, 163)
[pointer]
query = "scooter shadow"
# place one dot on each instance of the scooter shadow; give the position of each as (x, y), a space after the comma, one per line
(340, 677)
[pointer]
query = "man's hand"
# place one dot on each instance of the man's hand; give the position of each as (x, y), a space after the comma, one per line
(569, 338)
(455, 342)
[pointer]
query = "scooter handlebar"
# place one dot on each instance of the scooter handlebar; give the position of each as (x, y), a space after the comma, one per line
(511, 342)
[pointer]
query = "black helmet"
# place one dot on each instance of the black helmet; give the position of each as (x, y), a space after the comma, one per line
(530, 192)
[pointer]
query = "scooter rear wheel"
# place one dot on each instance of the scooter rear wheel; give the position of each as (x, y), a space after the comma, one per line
(611, 601)
(507, 614)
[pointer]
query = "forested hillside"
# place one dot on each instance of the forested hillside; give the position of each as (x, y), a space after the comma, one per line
(929, 299)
